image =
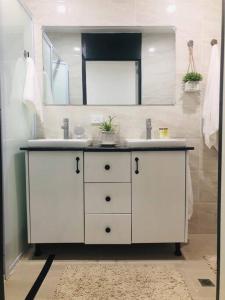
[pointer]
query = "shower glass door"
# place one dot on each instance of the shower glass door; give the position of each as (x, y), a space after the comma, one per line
(17, 125)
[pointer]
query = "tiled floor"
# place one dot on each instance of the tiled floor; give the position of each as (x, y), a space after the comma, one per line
(191, 265)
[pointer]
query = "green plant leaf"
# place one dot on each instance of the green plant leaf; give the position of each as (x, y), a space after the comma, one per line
(107, 125)
(192, 76)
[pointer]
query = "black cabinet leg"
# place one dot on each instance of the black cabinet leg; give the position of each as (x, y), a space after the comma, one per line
(37, 251)
(177, 250)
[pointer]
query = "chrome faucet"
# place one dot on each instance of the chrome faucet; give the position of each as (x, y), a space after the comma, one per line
(148, 129)
(65, 128)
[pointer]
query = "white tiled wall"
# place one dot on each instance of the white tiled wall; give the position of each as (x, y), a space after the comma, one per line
(199, 20)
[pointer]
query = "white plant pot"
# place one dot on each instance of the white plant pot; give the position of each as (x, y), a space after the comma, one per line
(192, 86)
(108, 138)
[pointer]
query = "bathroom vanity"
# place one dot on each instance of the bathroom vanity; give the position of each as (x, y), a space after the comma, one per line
(96, 195)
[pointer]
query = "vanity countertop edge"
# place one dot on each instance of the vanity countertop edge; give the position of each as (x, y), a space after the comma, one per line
(107, 149)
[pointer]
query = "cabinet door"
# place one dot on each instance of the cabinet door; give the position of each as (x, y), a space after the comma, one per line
(158, 191)
(56, 197)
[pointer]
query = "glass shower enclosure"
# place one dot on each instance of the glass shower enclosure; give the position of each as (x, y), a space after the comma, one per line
(16, 125)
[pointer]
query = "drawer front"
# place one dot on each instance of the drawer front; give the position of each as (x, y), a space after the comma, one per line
(107, 167)
(108, 229)
(108, 198)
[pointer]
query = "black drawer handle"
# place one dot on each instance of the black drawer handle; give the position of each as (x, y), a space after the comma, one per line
(108, 198)
(108, 230)
(107, 167)
(137, 170)
(77, 165)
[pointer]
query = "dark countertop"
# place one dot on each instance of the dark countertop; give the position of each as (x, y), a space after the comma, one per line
(107, 149)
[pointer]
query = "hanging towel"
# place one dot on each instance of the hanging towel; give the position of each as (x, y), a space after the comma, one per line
(18, 81)
(189, 190)
(47, 90)
(211, 101)
(31, 93)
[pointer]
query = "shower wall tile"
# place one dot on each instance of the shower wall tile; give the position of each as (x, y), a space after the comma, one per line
(198, 20)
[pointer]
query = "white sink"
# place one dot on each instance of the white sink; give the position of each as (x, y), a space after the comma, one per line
(156, 143)
(70, 143)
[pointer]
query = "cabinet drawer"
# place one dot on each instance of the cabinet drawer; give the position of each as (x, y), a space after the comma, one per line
(108, 229)
(108, 198)
(107, 167)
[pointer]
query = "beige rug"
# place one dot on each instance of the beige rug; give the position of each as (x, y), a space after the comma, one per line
(211, 261)
(99, 281)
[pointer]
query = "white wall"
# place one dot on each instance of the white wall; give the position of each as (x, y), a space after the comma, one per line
(198, 20)
(16, 35)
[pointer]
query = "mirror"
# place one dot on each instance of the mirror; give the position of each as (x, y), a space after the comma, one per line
(99, 67)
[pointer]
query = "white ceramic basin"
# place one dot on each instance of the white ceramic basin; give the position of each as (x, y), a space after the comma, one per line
(156, 143)
(70, 143)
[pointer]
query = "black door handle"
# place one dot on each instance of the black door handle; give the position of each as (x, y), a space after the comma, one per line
(137, 170)
(107, 198)
(77, 165)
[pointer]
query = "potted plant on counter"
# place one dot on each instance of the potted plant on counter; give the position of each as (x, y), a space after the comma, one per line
(108, 136)
(192, 81)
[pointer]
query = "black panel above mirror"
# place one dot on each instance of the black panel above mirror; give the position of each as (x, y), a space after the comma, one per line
(111, 46)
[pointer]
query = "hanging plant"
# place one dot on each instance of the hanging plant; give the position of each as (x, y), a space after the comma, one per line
(192, 78)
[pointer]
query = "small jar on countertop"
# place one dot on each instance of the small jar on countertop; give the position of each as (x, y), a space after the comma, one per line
(163, 133)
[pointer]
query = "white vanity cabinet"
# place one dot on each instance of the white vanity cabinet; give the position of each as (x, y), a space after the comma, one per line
(55, 197)
(107, 196)
(158, 197)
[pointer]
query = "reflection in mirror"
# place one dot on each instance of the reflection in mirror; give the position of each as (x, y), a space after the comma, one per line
(109, 82)
(60, 82)
(62, 64)
(158, 68)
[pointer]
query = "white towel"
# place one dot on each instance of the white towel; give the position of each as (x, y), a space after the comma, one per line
(31, 94)
(47, 90)
(18, 81)
(189, 189)
(211, 101)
